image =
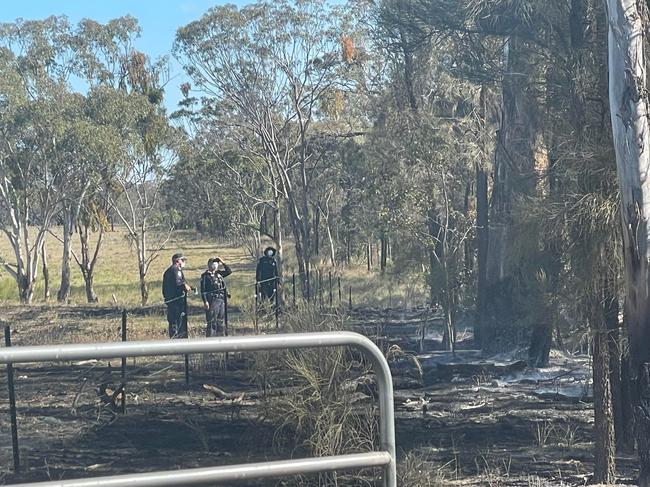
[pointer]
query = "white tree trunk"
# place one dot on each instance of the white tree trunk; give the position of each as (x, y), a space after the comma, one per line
(629, 115)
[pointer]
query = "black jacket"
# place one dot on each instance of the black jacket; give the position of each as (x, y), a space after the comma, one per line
(213, 284)
(267, 269)
(173, 283)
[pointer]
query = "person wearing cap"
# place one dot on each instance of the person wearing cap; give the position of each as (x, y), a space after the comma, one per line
(213, 293)
(266, 275)
(174, 289)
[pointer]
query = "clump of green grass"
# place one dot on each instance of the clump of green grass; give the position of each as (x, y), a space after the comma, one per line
(319, 415)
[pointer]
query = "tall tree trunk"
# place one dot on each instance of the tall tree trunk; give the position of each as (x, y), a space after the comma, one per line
(409, 70)
(541, 340)
(279, 242)
(144, 288)
(627, 412)
(514, 169)
(300, 240)
(316, 245)
(142, 265)
(46, 275)
(87, 264)
(348, 247)
(468, 244)
(330, 239)
(383, 258)
(482, 225)
(629, 117)
(63, 295)
(482, 236)
(614, 350)
(605, 451)
(368, 255)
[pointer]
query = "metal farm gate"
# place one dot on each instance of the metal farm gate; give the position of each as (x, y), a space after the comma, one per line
(384, 457)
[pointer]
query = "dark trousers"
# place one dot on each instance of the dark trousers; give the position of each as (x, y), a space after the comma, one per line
(176, 319)
(267, 290)
(214, 316)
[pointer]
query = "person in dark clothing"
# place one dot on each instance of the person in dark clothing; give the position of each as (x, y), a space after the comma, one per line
(266, 275)
(174, 289)
(213, 293)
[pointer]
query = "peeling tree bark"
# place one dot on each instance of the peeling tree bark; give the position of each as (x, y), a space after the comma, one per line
(629, 117)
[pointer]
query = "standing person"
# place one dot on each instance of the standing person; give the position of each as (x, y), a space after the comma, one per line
(174, 289)
(266, 275)
(213, 293)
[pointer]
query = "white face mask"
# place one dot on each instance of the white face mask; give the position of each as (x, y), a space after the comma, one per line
(269, 253)
(181, 264)
(214, 266)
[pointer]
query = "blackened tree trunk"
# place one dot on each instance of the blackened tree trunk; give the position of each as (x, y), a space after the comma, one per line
(605, 451)
(409, 69)
(368, 256)
(614, 350)
(627, 433)
(514, 169)
(384, 252)
(540, 341)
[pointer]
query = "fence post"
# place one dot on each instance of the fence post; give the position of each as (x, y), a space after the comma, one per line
(12, 405)
(124, 321)
(257, 304)
(226, 332)
(340, 300)
(293, 286)
(320, 288)
(330, 282)
(185, 322)
(277, 303)
(422, 335)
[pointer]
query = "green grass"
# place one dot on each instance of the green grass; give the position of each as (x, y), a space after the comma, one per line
(117, 275)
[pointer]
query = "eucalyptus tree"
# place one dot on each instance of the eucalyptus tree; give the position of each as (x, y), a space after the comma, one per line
(92, 148)
(36, 61)
(92, 145)
(628, 110)
(151, 146)
(264, 70)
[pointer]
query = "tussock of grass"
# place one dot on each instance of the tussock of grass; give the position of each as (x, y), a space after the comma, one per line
(320, 415)
(416, 470)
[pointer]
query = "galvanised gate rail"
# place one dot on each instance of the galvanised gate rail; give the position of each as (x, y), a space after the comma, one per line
(385, 457)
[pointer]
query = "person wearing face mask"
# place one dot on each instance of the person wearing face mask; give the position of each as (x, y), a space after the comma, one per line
(213, 293)
(174, 289)
(266, 275)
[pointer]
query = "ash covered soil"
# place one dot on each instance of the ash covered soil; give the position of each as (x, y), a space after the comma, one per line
(473, 420)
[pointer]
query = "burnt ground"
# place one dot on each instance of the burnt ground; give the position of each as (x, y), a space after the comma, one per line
(476, 421)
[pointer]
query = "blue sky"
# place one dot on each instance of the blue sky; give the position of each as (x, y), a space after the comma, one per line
(158, 20)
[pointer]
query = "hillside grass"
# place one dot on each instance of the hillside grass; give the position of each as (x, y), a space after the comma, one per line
(117, 285)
